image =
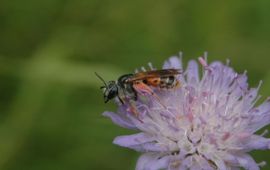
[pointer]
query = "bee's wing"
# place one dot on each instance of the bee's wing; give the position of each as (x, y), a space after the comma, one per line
(154, 73)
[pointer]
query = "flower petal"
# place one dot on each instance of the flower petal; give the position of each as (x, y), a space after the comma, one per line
(247, 162)
(219, 163)
(187, 163)
(261, 117)
(257, 142)
(141, 142)
(202, 163)
(119, 120)
(173, 62)
(216, 158)
(152, 161)
(136, 139)
(192, 72)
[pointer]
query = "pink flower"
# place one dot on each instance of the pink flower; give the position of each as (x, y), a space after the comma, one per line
(208, 123)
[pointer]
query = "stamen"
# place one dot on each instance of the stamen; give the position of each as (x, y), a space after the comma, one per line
(203, 62)
(261, 164)
(205, 55)
(260, 84)
(265, 132)
(180, 55)
(228, 62)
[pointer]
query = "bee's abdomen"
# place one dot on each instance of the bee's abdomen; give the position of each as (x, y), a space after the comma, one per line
(162, 82)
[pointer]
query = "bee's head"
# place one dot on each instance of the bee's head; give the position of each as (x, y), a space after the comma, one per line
(110, 90)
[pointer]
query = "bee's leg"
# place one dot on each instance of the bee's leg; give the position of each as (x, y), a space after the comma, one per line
(177, 84)
(146, 90)
(120, 99)
(135, 95)
(133, 109)
(143, 89)
(130, 99)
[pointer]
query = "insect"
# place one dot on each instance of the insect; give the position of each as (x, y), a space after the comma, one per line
(129, 85)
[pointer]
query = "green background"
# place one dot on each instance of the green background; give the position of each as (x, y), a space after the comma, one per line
(50, 102)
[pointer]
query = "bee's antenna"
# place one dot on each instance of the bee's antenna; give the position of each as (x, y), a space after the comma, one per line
(101, 78)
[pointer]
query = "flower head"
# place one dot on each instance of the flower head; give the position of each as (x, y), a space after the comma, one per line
(207, 123)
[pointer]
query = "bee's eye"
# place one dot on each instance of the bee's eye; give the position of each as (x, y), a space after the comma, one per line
(112, 92)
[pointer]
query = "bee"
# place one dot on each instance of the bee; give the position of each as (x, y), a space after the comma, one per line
(129, 85)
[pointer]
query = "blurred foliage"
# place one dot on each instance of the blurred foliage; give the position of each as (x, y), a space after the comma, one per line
(50, 103)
